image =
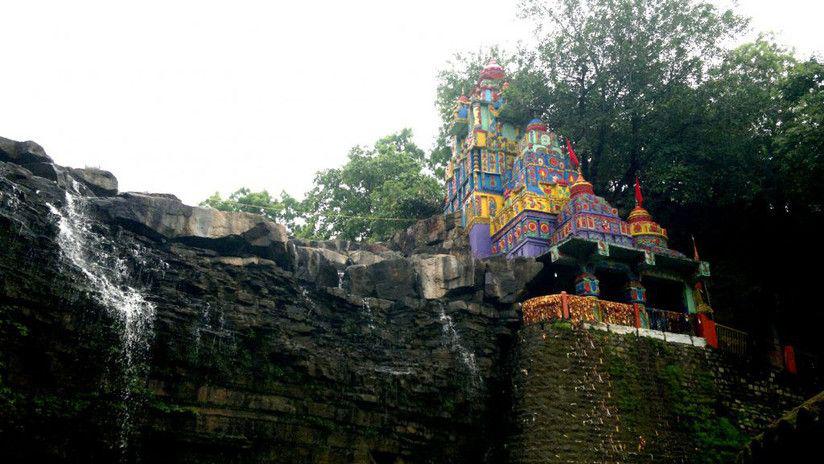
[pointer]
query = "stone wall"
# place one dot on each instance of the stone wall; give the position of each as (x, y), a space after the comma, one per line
(586, 395)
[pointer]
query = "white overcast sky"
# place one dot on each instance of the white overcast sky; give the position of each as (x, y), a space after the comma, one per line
(192, 97)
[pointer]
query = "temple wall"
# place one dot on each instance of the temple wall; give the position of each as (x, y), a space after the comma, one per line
(593, 396)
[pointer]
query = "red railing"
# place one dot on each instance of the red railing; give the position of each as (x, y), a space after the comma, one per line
(563, 306)
(577, 309)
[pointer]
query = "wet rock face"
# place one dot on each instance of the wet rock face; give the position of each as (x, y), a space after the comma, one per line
(439, 274)
(102, 183)
(263, 348)
(506, 279)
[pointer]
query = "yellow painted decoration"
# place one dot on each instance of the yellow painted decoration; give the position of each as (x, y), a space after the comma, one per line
(480, 139)
(647, 228)
(526, 200)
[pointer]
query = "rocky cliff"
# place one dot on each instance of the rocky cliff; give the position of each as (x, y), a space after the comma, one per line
(136, 328)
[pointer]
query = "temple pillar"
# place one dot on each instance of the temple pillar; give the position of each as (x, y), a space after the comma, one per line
(636, 293)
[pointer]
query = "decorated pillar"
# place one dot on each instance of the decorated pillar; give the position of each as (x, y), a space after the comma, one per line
(586, 284)
(636, 295)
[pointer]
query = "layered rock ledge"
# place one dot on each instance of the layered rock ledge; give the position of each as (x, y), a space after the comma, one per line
(262, 347)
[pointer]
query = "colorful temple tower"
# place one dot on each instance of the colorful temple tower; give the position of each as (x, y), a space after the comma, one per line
(483, 150)
(507, 183)
(521, 194)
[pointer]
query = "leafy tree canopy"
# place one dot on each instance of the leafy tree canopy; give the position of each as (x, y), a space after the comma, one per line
(285, 210)
(379, 190)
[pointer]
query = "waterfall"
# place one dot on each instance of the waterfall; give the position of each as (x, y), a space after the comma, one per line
(107, 277)
(367, 310)
(453, 340)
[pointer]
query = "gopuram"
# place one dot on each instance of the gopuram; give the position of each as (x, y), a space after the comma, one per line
(520, 192)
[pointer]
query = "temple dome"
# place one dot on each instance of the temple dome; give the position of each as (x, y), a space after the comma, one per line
(580, 186)
(590, 217)
(492, 70)
(645, 232)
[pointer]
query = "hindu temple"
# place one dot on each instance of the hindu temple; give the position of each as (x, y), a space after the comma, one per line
(520, 192)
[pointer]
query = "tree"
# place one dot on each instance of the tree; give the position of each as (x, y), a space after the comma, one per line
(614, 68)
(379, 190)
(286, 210)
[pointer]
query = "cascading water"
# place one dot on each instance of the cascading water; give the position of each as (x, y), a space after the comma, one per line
(367, 310)
(108, 278)
(453, 340)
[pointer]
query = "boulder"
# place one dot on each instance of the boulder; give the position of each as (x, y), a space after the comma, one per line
(336, 245)
(376, 247)
(339, 260)
(356, 280)
(506, 279)
(365, 257)
(391, 279)
(439, 274)
(434, 235)
(229, 233)
(312, 265)
(60, 175)
(22, 152)
(394, 279)
(102, 183)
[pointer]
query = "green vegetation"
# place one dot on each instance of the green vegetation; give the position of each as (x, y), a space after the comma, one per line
(719, 439)
(285, 210)
(561, 325)
(379, 190)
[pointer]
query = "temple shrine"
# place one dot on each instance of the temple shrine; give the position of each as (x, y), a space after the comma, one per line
(520, 192)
